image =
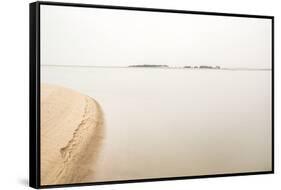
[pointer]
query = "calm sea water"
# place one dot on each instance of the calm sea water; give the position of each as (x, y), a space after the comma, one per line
(175, 122)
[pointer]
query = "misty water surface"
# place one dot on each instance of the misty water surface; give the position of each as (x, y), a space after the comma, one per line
(176, 122)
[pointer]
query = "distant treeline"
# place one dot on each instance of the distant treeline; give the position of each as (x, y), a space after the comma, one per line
(202, 67)
(186, 67)
(148, 65)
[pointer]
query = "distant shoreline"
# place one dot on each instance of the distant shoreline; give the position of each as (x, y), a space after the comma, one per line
(160, 67)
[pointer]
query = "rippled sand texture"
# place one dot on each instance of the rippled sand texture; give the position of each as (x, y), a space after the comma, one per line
(71, 135)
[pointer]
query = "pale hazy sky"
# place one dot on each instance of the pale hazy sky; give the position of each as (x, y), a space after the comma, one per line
(102, 37)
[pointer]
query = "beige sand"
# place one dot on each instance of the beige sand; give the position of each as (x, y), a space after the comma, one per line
(71, 133)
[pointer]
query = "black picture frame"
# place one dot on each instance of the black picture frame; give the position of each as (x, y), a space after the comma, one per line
(34, 91)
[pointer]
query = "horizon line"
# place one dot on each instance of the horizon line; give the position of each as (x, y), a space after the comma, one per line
(168, 67)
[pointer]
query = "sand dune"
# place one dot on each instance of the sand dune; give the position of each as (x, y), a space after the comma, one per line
(71, 134)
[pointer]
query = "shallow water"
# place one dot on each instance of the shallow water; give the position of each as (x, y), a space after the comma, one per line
(176, 122)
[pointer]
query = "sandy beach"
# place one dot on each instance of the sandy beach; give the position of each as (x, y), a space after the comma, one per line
(71, 135)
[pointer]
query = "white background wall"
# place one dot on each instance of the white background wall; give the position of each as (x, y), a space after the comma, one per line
(14, 93)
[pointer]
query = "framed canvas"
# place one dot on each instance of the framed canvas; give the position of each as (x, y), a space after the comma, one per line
(129, 94)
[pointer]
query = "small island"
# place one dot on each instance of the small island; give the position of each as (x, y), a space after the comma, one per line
(202, 67)
(149, 66)
(183, 67)
(176, 67)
